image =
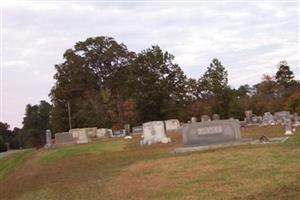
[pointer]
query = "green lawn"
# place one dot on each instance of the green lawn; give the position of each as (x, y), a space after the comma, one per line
(9, 164)
(77, 150)
(120, 169)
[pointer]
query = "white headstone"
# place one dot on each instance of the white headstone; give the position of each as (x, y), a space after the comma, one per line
(83, 137)
(75, 132)
(154, 132)
(103, 132)
(172, 124)
(194, 119)
(92, 132)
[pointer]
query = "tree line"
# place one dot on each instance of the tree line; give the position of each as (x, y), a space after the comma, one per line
(107, 85)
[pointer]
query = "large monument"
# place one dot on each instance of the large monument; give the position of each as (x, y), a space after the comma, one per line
(212, 132)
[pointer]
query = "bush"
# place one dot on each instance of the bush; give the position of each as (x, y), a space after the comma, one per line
(2, 145)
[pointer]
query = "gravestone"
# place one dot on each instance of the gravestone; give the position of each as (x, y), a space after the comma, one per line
(259, 119)
(215, 117)
(281, 117)
(48, 138)
(248, 114)
(254, 119)
(172, 124)
(288, 127)
(83, 137)
(103, 133)
(75, 132)
(91, 132)
(296, 121)
(205, 118)
(127, 129)
(268, 119)
(64, 138)
(193, 119)
(137, 130)
(154, 132)
(119, 133)
(209, 133)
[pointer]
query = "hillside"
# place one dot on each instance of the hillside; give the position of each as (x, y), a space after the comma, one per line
(122, 169)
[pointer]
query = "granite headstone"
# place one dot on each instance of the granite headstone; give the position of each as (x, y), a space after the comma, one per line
(209, 133)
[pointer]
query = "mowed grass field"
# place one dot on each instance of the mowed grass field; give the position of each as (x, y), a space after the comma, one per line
(122, 169)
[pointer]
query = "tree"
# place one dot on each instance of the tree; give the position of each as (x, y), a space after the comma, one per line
(284, 76)
(35, 122)
(4, 135)
(293, 102)
(4, 131)
(214, 85)
(215, 78)
(285, 80)
(2, 144)
(90, 79)
(158, 85)
(245, 91)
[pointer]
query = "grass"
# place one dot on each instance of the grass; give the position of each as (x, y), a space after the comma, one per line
(9, 164)
(76, 150)
(255, 131)
(119, 169)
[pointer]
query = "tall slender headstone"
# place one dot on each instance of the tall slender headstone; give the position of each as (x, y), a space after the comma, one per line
(127, 129)
(296, 121)
(288, 127)
(248, 114)
(48, 138)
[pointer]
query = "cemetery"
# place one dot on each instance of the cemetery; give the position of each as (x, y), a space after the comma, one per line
(150, 100)
(160, 153)
(196, 136)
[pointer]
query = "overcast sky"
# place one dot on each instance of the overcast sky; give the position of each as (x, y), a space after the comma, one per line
(249, 39)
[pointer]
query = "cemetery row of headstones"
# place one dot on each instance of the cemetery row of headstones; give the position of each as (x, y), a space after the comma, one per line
(281, 117)
(84, 135)
(205, 132)
(195, 133)
(205, 118)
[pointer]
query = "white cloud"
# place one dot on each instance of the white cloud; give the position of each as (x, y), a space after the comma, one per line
(249, 39)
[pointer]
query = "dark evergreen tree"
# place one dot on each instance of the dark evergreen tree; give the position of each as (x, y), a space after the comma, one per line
(215, 78)
(35, 123)
(284, 76)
